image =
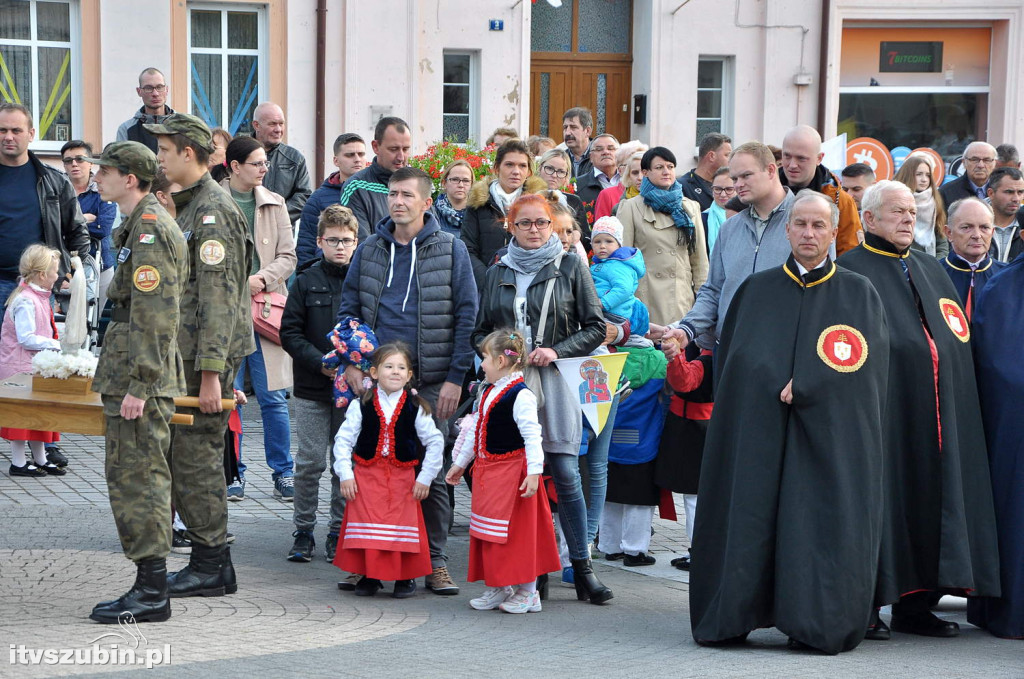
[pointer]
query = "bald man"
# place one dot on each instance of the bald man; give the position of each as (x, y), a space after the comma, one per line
(979, 162)
(801, 168)
(287, 175)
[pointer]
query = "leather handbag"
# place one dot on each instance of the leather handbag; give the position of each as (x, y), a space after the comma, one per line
(267, 309)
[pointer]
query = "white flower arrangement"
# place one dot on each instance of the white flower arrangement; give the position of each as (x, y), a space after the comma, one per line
(62, 366)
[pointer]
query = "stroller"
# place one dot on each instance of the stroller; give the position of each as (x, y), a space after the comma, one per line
(91, 269)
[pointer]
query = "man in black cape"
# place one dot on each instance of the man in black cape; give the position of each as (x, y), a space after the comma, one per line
(791, 484)
(939, 532)
(969, 230)
(998, 328)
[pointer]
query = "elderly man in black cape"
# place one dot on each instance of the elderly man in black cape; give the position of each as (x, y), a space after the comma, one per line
(939, 532)
(998, 328)
(791, 485)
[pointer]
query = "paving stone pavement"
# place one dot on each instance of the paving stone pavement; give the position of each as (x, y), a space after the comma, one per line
(59, 555)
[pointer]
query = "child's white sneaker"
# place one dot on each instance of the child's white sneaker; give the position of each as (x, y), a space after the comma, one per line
(522, 602)
(491, 598)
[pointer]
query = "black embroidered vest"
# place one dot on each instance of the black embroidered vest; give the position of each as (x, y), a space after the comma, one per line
(498, 424)
(407, 449)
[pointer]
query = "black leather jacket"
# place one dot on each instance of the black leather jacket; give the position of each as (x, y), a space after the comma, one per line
(64, 227)
(575, 325)
(289, 178)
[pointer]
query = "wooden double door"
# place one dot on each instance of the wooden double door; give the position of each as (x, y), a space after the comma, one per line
(558, 84)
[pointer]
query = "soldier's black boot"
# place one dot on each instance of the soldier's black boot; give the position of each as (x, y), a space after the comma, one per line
(146, 601)
(587, 584)
(203, 576)
(227, 573)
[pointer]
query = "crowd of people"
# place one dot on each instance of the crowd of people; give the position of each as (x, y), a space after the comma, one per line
(801, 349)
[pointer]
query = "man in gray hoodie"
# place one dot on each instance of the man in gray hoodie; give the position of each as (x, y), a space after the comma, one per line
(750, 241)
(153, 91)
(410, 281)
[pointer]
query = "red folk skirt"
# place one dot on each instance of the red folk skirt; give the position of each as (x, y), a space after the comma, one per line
(382, 534)
(511, 538)
(12, 434)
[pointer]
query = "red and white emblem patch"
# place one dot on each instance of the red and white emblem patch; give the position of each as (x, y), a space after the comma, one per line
(955, 319)
(842, 348)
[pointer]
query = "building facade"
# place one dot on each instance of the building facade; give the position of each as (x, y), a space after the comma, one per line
(934, 73)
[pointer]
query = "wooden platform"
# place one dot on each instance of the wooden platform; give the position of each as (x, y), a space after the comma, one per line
(47, 411)
(24, 408)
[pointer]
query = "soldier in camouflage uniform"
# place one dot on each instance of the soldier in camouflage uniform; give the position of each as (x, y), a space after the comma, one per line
(139, 374)
(214, 333)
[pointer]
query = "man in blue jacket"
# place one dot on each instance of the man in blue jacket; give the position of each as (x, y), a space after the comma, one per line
(413, 282)
(349, 158)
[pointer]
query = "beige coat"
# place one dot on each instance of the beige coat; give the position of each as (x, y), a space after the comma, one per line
(673, 274)
(275, 252)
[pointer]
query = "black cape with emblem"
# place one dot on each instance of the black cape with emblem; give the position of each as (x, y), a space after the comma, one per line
(967, 281)
(790, 513)
(940, 523)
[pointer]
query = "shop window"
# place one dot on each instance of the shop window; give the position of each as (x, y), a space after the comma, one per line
(714, 96)
(945, 122)
(459, 97)
(226, 50)
(39, 55)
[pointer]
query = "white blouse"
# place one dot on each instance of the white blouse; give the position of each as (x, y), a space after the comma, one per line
(524, 412)
(348, 433)
(23, 309)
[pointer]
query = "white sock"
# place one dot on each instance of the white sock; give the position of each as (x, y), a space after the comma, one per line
(38, 452)
(529, 587)
(18, 453)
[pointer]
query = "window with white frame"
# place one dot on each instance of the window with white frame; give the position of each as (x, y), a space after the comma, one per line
(39, 55)
(459, 97)
(714, 96)
(227, 64)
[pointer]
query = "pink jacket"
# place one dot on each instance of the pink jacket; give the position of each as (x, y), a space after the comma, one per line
(14, 358)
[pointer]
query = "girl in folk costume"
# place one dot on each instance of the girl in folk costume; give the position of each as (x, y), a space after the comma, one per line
(388, 436)
(28, 328)
(511, 539)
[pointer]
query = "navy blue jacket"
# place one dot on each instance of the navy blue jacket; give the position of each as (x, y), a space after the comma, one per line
(328, 194)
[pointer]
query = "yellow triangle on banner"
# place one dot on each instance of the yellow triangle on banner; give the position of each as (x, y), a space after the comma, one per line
(593, 380)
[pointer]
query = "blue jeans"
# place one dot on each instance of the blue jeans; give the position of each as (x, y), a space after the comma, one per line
(572, 508)
(596, 461)
(6, 288)
(277, 442)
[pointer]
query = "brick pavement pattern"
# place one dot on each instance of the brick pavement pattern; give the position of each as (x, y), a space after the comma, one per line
(59, 555)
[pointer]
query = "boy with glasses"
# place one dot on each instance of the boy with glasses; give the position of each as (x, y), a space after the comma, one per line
(309, 315)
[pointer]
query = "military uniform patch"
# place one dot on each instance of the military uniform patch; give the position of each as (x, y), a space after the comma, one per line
(211, 251)
(146, 278)
(122, 255)
(955, 319)
(209, 219)
(147, 238)
(842, 348)
(187, 235)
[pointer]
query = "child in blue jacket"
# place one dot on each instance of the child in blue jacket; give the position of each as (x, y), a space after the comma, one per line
(617, 272)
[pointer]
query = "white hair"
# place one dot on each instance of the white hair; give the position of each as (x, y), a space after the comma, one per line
(874, 197)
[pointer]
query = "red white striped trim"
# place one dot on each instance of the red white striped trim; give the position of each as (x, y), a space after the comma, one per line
(488, 526)
(381, 531)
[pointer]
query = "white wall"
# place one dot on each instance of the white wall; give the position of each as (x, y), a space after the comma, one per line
(130, 40)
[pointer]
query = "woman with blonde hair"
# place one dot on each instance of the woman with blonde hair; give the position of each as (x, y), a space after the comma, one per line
(451, 204)
(918, 173)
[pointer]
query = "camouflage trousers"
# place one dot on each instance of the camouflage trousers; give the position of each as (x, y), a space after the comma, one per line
(139, 477)
(199, 490)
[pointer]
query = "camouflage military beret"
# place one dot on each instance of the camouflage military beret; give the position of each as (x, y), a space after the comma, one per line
(188, 125)
(130, 157)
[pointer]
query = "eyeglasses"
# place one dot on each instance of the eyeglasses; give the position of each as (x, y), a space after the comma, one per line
(720, 190)
(343, 242)
(552, 172)
(71, 160)
(987, 161)
(150, 89)
(259, 164)
(528, 225)
(457, 180)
